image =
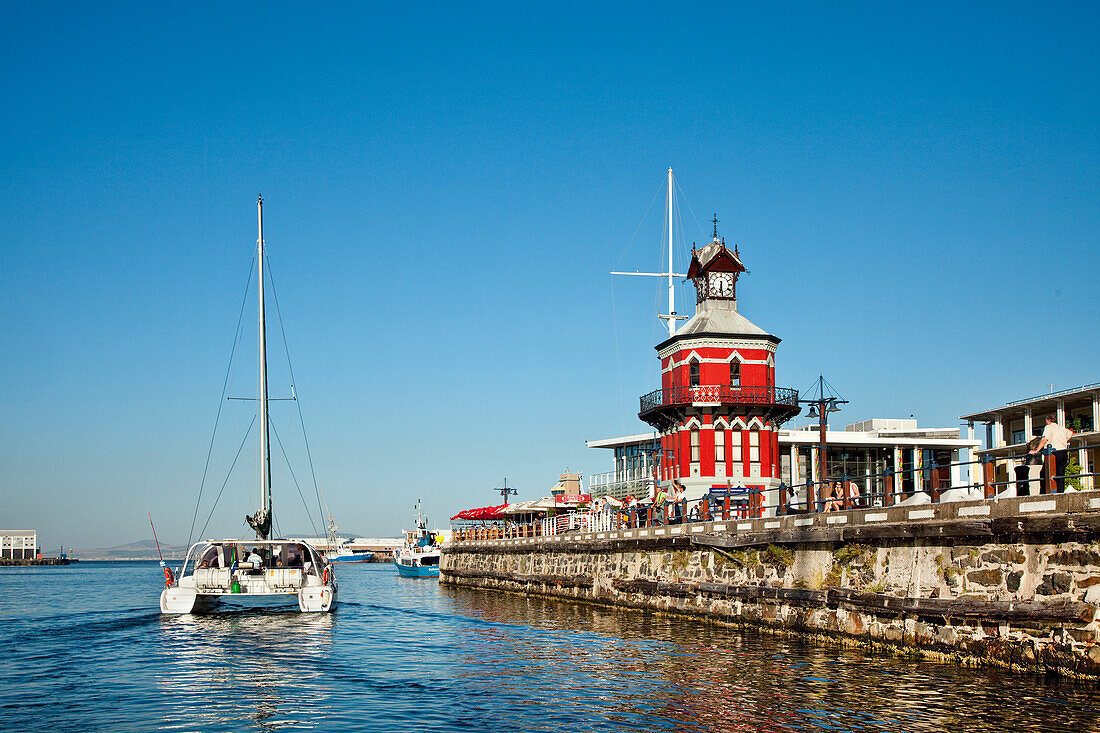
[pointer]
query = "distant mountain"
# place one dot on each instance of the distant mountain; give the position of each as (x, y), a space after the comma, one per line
(147, 549)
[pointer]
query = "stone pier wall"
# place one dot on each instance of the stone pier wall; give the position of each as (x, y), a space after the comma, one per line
(1014, 583)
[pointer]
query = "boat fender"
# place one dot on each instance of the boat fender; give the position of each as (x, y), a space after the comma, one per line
(169, 580)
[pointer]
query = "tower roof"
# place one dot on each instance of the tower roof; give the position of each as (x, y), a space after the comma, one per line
(720, 317)
(715, 256)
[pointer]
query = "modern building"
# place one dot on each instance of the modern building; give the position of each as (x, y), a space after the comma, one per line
(861, 451)
(1008, 428)
(18, 544)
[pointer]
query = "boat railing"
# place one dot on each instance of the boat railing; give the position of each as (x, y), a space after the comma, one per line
(312, 564)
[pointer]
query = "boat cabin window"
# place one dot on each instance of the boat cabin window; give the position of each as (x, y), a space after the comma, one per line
(211, 557)
(429, 560)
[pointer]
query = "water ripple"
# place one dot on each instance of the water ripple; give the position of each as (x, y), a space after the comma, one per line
(409, 655)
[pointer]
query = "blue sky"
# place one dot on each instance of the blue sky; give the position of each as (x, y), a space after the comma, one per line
(914, 191)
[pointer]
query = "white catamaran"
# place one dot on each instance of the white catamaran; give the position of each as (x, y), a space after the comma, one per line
(257, 568)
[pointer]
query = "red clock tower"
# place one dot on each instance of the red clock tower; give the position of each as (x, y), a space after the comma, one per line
(718, 410)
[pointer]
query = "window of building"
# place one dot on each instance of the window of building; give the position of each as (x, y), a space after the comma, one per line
(720, 445)
(735, 373)
(695, 446)
(754, 447)
(693, 366)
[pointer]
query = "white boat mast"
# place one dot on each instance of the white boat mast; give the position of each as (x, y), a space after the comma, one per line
(265, 448)
(671, 318)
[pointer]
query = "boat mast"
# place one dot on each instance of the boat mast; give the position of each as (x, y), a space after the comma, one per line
(671, 318)
(264, 514)
(671, 288)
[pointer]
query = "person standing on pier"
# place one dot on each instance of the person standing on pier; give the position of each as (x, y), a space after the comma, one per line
(659, 506)
(677, 502)
(1056, 437)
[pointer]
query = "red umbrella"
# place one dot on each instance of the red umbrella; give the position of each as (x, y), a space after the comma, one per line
(485, 513)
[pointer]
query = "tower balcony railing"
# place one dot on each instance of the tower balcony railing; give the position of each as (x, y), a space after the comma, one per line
(721, 394)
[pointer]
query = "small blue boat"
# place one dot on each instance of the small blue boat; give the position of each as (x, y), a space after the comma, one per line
(344, 555)
(419, 557)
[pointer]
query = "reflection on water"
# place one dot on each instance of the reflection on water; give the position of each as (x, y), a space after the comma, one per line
(93, 653)
(649, 671)
(259, 664)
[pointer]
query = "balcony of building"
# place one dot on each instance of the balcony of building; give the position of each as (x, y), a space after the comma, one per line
(776, 403)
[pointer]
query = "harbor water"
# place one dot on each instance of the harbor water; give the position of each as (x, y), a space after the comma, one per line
(86, 648)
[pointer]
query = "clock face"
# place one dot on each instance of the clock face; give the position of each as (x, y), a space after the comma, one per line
(721, 284)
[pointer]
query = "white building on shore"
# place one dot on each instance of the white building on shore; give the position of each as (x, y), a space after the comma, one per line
(858, 452)
(18, 544)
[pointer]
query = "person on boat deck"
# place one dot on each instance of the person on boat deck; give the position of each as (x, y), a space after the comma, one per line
(210, 558)
(254, 558)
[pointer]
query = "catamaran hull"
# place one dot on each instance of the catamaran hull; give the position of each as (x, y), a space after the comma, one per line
(316, 599)
(311, 599)
(177, 600)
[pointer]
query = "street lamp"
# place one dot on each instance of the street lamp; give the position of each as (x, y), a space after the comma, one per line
(820, 407)
(505, 490)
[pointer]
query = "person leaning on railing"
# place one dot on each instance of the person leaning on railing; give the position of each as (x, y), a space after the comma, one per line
(1057, 437)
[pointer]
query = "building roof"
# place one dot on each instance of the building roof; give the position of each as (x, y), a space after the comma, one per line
(1039, 403)
(910, 436)
(625, 440)
(720, 317)
(711, 256)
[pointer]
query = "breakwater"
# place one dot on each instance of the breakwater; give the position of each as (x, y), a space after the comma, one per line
(1011, 582)
(26, 562)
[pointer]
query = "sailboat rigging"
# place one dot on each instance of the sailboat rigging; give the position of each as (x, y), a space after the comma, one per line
(252, 569)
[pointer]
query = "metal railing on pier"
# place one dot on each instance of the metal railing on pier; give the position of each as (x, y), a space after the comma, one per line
(926, 484)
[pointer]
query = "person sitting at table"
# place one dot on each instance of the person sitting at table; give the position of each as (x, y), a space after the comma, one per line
(834, 502)
(851, 498)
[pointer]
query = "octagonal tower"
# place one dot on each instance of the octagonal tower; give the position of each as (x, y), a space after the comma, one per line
(718, 411)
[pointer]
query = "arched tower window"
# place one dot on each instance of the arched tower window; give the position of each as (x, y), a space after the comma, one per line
(735, 373)
(693, 367)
